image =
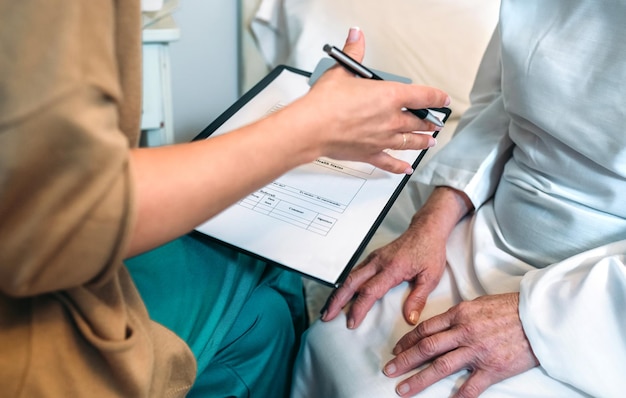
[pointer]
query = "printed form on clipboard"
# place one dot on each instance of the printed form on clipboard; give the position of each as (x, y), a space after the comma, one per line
(317, 218)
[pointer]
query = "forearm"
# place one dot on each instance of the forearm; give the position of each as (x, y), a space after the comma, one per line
(442, 211)
(178, 187)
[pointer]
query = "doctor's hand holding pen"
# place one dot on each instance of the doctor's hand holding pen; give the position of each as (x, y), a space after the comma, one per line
(357, 119)
(342, 117)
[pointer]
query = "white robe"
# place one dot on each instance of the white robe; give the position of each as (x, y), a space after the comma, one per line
(541, 153)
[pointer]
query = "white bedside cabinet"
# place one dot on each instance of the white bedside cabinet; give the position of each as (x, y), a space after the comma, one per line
(157, 116)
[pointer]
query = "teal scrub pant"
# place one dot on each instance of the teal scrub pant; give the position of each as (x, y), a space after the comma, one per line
(241, 317)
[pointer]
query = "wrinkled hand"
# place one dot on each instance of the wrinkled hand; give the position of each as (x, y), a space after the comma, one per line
(418, 256)
(484, 335)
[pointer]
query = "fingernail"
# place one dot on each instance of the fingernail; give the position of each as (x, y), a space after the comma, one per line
(413, 317)
(350, 323)
(396, 349)
(448, 100)
(354, 34)
(403, 389)
(432, 141)
(390, 369)
(324, 314)
(408, 171)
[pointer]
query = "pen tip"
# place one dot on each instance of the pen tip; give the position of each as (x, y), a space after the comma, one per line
(327, 48)
(434, 120)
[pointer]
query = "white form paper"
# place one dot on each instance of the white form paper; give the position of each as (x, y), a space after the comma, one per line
(315, 219)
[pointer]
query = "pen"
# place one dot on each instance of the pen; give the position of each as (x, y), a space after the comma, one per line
(355, 67)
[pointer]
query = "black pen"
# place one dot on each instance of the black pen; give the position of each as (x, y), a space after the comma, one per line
(355, 67)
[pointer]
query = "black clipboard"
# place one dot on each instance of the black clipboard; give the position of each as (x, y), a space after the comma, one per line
(231, 238)
(245, 98)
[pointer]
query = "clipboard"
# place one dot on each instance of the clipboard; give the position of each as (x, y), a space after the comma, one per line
(316, 219)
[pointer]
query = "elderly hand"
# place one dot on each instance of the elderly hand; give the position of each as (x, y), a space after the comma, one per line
(484, 335)
(417, 256)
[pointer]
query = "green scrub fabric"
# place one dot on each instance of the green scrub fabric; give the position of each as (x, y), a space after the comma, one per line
(241, 317)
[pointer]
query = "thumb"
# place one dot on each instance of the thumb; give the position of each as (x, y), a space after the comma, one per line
(355, 44)
(415, 303)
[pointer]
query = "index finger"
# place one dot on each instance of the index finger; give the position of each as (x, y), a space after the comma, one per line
(427, 328)
(368, 294)
(344, 293)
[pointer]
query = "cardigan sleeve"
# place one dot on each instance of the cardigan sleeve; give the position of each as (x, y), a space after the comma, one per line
(65, 181)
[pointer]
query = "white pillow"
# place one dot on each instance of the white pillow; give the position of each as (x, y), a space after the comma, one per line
(433, 42)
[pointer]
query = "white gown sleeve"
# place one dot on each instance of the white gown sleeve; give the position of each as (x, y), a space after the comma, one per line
(473, 160)
(573, 315)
